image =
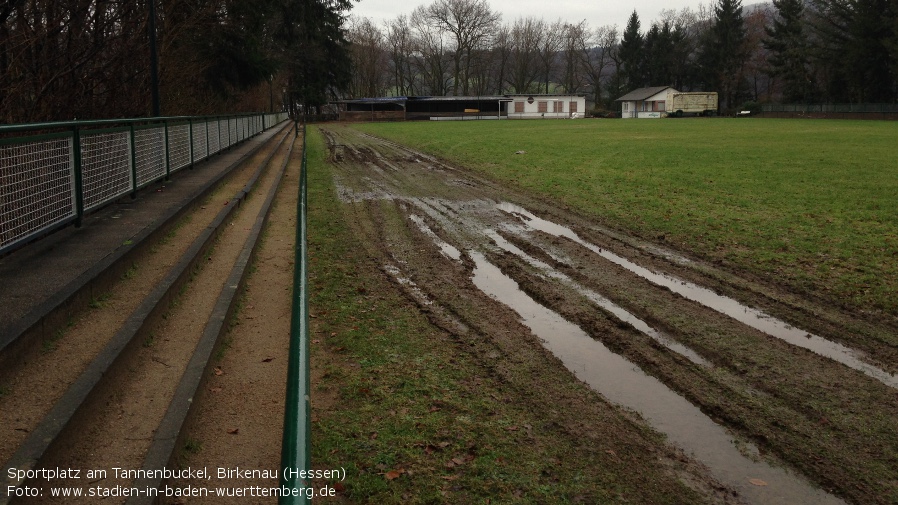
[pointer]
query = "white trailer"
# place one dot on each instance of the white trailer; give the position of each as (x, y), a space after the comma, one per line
(701, 103)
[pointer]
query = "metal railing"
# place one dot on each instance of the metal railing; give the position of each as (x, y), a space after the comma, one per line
(830, 107)
(51, 174)
(296, 454)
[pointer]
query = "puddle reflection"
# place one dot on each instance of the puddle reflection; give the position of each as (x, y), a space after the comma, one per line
(725, 305)
(624, 383)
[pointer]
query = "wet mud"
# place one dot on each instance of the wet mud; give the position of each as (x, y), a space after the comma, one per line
(775, 405)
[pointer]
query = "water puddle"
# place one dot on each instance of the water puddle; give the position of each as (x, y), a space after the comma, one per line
(725, 305)
(601, 302)
(622, 382)
(446, 249)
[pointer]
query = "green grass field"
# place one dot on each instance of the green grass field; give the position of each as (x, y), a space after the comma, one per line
(811, 204)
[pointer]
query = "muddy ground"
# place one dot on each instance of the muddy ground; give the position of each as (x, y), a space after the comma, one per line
(779, 399)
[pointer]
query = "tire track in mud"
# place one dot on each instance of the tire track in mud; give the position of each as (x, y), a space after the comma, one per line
(784, 404)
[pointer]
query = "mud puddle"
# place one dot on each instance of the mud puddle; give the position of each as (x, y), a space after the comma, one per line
(722, 304)
(624, 383)
(602, 302)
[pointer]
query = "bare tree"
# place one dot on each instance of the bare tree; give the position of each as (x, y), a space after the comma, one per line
(572, 69)
(597, 55)
(550, 44)
(469, 22)
(526, 39)
(502, 48)
(433, 57)
(369, 58)
(400, 46)
(61, 59)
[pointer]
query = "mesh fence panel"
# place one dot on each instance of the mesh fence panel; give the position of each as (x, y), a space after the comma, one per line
(179, 146)
(214, 146)
(36, 187)
(37, 180)
(105, 166)
(200, 145)
(149, 145)
(832, 107)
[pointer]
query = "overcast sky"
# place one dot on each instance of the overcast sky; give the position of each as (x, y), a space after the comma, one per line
(595, 12)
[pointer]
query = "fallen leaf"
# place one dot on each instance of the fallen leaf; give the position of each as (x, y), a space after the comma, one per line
(338, 487)
(267, 360)
(218, 371)
(757, 482)
(450, 477)
(233, 431)
(392, 475)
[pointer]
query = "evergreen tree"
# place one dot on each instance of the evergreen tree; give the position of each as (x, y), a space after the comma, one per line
(631, 54)
(788, 46)
(682, 66)
(662, 54)
(724, 52)
(315, 49)
(857, 49)
(867, 55)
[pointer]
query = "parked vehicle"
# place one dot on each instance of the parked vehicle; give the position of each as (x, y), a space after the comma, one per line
(699, 103)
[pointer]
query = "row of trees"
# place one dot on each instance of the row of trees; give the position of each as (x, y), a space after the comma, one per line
(64, 59)
(790, 50)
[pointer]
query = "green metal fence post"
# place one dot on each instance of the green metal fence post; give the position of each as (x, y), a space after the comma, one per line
(167, 155)
(190, 140)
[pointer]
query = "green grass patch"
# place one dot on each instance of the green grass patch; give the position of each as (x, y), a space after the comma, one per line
(130, 273)
(100, 301)
(809, 203)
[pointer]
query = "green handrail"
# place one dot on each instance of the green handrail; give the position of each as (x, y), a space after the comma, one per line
(296, 458)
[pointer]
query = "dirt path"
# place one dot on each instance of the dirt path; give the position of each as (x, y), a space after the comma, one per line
(775, 407)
